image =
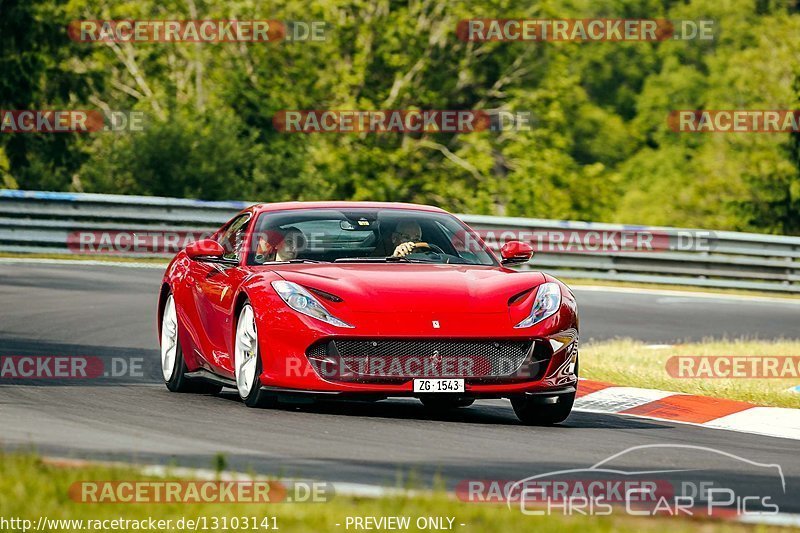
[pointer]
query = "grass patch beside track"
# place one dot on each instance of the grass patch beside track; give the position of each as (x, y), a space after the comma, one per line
(633, 364)
(30, 488)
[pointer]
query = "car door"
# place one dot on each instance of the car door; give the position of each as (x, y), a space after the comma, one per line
(214, 288)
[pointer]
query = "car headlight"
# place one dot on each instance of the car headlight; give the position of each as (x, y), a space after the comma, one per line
(546, 304)
(304, 302)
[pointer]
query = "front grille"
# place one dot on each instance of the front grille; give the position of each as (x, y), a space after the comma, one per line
(380, 358)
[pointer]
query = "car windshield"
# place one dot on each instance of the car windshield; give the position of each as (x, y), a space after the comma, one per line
(365, 235)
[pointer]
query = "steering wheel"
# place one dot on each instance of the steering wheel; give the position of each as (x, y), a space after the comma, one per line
(426, 247)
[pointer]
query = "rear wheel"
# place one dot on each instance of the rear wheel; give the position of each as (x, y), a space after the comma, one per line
(247, 360)
(173, 366)
(536, 411)
(444, 403)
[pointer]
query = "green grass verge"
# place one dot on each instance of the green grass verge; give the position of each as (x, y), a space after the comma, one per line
(30, 488)
(632, 363)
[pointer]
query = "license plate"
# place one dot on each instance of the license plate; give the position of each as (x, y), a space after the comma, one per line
(438, 385)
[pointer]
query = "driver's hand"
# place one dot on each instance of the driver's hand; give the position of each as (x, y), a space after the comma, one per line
(261, 251)
(404, 249)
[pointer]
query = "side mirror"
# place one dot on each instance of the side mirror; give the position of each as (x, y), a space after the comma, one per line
(516, 253)
(205, 249)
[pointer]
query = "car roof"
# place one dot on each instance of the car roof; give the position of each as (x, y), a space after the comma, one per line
(280, 206)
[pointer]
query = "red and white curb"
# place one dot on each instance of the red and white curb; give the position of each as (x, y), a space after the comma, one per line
(599, 397)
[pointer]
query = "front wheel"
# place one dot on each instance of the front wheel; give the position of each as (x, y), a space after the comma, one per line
(247, 360)
(533, 411)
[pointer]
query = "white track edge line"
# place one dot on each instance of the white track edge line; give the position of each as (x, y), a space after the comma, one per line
(687, 293)
(89, 262)
(577, 287)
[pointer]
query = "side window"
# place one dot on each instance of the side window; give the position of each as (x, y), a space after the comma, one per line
(233, 236)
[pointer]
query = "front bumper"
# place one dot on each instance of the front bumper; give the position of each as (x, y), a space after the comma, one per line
(291, 364)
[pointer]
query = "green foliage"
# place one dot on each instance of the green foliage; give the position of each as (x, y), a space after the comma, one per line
(600, 148)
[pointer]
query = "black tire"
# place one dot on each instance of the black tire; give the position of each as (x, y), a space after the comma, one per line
(258, 397)
(178, 382)
(532, 412)
(445, 403)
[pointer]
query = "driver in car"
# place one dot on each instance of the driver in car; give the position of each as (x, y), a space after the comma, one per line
(289, 242)
(405, 237)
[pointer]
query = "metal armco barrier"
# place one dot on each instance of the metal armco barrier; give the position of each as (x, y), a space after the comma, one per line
(50, 222)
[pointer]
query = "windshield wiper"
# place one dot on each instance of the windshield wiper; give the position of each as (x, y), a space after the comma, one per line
(389, 259)
(360, 260)
(392, 259)
(302, 261)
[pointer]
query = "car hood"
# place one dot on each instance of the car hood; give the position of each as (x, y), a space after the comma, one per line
(413, 287)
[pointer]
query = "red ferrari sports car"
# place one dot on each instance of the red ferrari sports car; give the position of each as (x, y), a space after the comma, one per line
(366, 300)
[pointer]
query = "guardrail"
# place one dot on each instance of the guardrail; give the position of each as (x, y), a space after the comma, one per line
(45, 222)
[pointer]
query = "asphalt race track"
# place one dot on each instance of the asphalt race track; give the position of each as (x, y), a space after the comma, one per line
(109, 311)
